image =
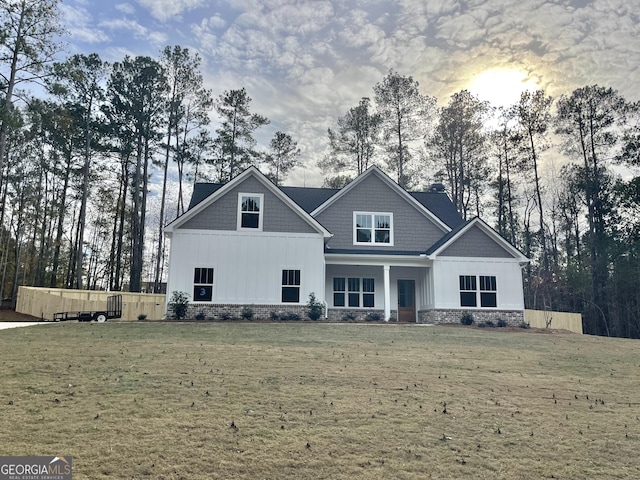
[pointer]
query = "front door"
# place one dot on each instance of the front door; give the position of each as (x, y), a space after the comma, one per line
(406, 301)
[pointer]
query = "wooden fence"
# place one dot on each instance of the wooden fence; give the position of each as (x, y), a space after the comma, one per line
(44, 302)
(557, 320)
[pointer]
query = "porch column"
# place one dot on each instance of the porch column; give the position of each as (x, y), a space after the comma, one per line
(387, 293)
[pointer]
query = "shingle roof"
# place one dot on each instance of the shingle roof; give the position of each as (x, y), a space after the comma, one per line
(309, 198)
(202, 191)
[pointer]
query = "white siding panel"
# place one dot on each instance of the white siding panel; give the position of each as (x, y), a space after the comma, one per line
(446, 287)
(247, 267)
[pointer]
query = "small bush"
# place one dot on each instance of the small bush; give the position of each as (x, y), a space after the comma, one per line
(525, 325)
(291, 316)
(200, 316)
(373, 317)
(274, 316)
(502, 323)
(225, 316)
(489, 323)
(466, 319)
(348, 317)
(178, 304)
(393, 319)
(247, 313)
(142, 317)
(314, 307)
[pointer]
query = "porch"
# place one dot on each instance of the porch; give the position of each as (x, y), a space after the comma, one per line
(377, 287)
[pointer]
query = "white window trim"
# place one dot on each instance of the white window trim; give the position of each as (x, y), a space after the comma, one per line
(212, 284)
(281, 286)
(260, 214)
(373, 229)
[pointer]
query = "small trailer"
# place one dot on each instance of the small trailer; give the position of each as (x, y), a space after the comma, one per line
(113, 310)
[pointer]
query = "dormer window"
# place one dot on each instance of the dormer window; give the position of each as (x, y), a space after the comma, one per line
(372, 228)
(250, 209)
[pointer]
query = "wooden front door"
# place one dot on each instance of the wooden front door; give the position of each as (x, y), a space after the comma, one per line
(406, 301)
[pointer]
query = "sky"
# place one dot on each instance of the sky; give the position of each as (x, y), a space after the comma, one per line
(306, 62)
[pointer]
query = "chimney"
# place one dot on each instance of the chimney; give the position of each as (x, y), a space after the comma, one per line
(437, 187)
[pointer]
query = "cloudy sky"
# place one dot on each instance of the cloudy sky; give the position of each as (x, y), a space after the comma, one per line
(306, 62)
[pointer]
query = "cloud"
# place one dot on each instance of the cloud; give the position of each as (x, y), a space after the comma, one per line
(126, 8)
(136, 29)
(78, 22)
(165, 10)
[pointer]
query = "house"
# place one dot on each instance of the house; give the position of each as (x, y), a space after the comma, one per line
(368, 249)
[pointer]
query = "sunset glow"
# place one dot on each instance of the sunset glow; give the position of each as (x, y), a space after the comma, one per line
(502, 88)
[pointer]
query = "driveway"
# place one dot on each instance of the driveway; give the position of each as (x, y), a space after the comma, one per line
(5, 325)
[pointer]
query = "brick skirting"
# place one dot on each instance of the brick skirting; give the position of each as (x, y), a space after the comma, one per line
(299, 312)
(511, 317)
(210, 311)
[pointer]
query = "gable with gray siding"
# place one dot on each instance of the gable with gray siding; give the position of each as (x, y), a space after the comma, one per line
(412, 230)
(223, 213)
(476, 243)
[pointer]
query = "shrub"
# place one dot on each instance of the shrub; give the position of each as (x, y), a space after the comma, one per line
(348, 317)
(247, 313)
(525, 325)
(314, 307)
(373, 317)
(489, 323)
(466, 319)
(275, 316)
(502, 323)
(178, 304)
(225, 316)
(292, 316)
(200, 316)
(142, 317)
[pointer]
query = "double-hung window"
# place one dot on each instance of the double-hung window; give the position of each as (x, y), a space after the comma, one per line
(488, 291)
(339, 287)
(290, 286)
(250, 211)
(372, 228)
(202, 284)
(354, 292)
(469, 291)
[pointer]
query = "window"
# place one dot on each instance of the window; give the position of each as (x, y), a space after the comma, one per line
(354, 292)
(488, 291)
(368, 292)
(250, 208)
(338, 291)
(373, 228)
(203, 284)
(291, 286)
(468, 291)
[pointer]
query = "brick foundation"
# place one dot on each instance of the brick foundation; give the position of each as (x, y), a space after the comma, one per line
(358, 315)
(511, 317)
(234, 312)
(289, 312)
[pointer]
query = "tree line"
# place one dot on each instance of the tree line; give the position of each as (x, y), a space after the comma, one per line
(558, 178)
(88, 165)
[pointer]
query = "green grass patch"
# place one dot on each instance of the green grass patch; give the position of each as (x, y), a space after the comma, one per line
(238, 400)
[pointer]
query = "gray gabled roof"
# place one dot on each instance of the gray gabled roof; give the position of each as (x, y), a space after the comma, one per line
(310, 198)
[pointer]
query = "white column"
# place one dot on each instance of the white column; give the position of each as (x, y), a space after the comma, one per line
(387, 294)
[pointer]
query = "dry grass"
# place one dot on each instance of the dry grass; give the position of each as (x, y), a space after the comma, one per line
(309, 401)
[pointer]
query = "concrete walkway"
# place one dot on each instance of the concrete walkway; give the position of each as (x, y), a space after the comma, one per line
(5, 325)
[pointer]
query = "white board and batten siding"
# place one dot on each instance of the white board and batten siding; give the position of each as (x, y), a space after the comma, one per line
(247, 266)
(447, 271)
